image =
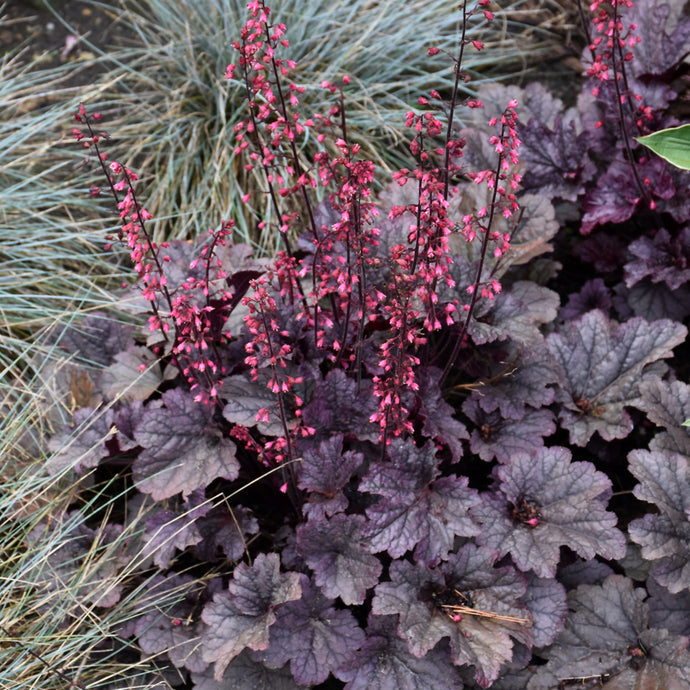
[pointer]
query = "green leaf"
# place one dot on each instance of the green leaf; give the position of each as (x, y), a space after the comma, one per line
(672, 144)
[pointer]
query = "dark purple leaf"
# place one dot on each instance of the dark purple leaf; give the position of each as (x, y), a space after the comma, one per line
(658, 50)
(324, 472)
(603, 250)
(513, 677)
(517, 314)
(182, 450)
(661, 259)
(334, 550)
(126, 420)
(633, 565)
(616, 195)
(607, 637)
(244, 673)
(678, 206)
(384, 663)
(96, 339)
(581, 572)
(667, 404)
(556, 158)
(603, 365)
(523, 377)
(670, 611)
(655, 301)
(417, 509)
(336, 406)
(544, 502)
(421, 596)
(496, 437)
(591, 110)
(174, 626)
(171, 529)
(313, 636)
(593, 295)
(664, 537)
(240, 618)
(226, 530)
(437, 415)
(545, 599)
(613, 200)
(83, 444)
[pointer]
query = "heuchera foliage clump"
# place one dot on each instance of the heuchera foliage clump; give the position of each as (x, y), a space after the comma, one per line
(437, 440)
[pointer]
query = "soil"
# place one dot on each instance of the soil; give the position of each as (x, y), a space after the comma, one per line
(71, 32)
(49, 36)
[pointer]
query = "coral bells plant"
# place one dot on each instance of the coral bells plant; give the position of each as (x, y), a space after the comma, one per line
(414, 448)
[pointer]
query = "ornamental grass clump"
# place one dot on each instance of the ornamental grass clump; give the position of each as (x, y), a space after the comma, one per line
(417, 446)
(181, 113)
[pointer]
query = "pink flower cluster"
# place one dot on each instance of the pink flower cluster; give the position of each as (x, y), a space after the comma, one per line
(273, 145)
(340, 303)
(611, 48)
(411, 304)
(270, 349)
(344, 250)
(503, 183)
(185, 311)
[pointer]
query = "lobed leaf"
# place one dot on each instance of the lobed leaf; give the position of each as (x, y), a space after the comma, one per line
(593, 295)
(438, 421)
(664, 41)
(416, 594)
(417, 509)
(546, 600)
(666, 610)
(604, 365)
(660, 258)
(334, 550)
(496, 437)
(313, 636)
(667, 404)
(240, 617)
(518, 314)
(607, 639)
(244, 400)
(664, 537)
(225, 530)
(171, 529)
(82, 445)
(338, 406)
(384, 663)
(173, 628)
(522, 377)
(324, 472)
(543, 502)
(182, 451)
